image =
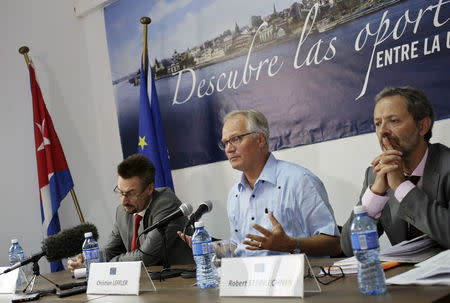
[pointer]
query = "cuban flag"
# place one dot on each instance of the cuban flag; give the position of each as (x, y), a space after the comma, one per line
(151, 141)
(54, 176)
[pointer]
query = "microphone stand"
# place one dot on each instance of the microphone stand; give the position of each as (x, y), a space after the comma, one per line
(36, 273)
(167, 272)
(75, 288)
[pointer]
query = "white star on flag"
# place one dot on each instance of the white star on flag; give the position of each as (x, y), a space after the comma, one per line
(45, 140)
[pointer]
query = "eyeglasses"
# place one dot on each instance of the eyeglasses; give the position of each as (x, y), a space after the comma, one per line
(129, 196)
(325, 275)
(234, 141)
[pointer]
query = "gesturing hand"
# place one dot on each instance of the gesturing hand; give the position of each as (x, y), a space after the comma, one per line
(187, 239)
(75, 262)
(275, 240)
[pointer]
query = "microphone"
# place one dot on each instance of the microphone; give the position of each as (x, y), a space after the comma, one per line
(65, 244)
(72, 285)
(185, 209)
(203, 208)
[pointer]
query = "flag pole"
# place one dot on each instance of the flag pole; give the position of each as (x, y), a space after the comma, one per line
(24, 51)
(145, 22)
(150, 124)
(77, 206)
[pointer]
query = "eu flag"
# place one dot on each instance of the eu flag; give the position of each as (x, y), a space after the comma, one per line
(151, 133)
(54, 176)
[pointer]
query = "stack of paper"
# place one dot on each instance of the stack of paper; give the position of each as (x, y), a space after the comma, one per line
(434, 271)
(349, 266)
(412, 251)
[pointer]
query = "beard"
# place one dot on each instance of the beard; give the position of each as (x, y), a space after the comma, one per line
(131, 209)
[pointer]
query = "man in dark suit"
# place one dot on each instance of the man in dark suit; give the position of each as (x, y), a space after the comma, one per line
(141, 206)
(407, 187)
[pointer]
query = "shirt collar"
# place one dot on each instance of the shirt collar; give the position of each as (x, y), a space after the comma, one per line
(418, 171)
(268, 174)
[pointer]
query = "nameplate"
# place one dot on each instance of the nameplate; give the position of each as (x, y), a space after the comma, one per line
(8, 281)
(271, 276)
(119, 278)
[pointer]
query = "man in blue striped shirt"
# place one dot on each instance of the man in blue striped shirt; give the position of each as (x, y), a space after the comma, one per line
(277, 206)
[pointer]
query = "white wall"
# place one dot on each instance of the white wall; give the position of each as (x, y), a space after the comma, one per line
(82, 109)
(72, 64)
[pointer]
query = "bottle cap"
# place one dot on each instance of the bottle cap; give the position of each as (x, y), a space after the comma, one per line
(88, 234)
(199, 224)
(14, 241)
(359, 209)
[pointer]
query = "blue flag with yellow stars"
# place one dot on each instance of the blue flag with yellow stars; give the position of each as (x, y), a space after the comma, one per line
(151, 133)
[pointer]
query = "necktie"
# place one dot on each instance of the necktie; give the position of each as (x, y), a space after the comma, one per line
(413, 232)
(135, 241)
(413, 179)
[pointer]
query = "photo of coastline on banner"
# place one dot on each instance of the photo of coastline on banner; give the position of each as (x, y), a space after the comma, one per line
(312, 67)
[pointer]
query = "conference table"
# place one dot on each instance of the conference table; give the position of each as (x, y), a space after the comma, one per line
(182, 290)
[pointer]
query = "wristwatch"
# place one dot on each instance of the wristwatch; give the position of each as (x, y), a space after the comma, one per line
(297, 247)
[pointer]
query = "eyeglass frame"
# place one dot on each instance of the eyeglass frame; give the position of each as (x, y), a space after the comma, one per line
(325, 272)
(121, 194)
(237, 140)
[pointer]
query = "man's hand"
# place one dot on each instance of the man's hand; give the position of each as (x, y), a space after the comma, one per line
(187, 239)
(275, 240)
(389, 169)
(75, 262)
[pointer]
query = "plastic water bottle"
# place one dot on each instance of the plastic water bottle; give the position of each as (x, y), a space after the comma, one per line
(15, 252)
(90, 251)
(16, 255)
(203, 255)
(366, 249)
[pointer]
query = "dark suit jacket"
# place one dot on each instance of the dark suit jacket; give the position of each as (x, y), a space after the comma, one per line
(426, 208)
(163, 203)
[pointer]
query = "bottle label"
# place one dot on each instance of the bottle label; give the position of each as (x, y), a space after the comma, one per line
(202, 248)
(365, 241)
(90, 254)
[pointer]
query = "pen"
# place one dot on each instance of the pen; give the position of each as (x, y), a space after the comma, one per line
(389, 265)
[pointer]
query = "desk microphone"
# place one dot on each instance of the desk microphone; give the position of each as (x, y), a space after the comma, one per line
(203, 208)
(185, 209)
(65, 244)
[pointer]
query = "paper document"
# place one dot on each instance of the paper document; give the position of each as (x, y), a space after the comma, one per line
(439, 259)
(434, 271)
(350, 266)
(405, 247)
(412, 251)
(412, 258)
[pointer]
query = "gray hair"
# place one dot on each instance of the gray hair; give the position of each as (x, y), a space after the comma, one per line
(256, 121)
(417, 102)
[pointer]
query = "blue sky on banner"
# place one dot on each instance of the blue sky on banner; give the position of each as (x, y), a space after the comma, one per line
(125, 37)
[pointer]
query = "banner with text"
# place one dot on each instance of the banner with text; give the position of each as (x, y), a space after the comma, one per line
(312, 67)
